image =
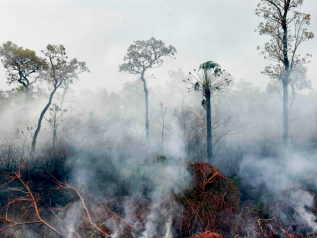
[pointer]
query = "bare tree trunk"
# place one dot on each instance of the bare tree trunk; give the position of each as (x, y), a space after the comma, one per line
(27, 96)
(292, 99)
(316, 121)
(42, 116)
(163, 125)
(54, 132)
(285, 82)
(54, 138)
(163, 138)
(147, 129)
(316, 124)
(55, 126)
(26, 103)
(63, 97)
(285, 114)
(209, 129)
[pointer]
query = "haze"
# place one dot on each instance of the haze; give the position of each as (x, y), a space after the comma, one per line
(100, 31)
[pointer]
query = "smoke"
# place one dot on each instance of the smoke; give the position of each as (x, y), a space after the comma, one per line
(71, 219)
(102, 146)
(169, 228)
(171, 179)
(301, 201)
(286, 182)
(147, 180)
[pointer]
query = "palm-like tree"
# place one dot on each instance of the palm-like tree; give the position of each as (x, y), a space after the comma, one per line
(209, 80)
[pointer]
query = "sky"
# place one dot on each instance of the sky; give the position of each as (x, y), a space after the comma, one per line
(99, 32)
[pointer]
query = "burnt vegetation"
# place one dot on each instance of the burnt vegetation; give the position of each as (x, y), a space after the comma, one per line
(205, 155)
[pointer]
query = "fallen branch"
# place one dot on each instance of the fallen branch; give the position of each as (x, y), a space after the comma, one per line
(29, 198)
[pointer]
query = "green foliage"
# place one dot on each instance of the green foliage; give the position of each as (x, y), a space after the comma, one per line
(17, 234)
(59, 68)
(143, 55)
(281, 17)
(22, 65)
(263, 211)
(209, 79)
(150, 169)
(20, 88)
(209, 65)
(160, 159)
(235, 180)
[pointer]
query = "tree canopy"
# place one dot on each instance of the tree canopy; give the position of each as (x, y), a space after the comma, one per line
(22, 65)
(210, 78)
(287, 29)
(143, 55)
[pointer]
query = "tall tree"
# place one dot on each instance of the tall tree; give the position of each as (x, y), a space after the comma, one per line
(22, 65)
(58, 70)
(209, 80)
(286, 27)
(143, 55)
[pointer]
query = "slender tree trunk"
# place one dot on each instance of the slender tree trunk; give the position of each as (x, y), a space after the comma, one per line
(316, 124)
(63, 97)
(26, 86)
(285, 114)
(292, 98)
(42, 116)
(26, 103)
(54, 138)
(54, 132)
(163, 128)
(27, 96)
(55, 127)
(209, 129)
(147, 129)
(162, 141)
(163, 112)
(285, 83)
(316, 121)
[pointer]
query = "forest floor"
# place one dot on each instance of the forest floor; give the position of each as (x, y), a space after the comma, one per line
(210, 207)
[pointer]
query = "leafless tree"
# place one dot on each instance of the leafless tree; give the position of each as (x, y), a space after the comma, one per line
(56, 114)
(161, 119)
